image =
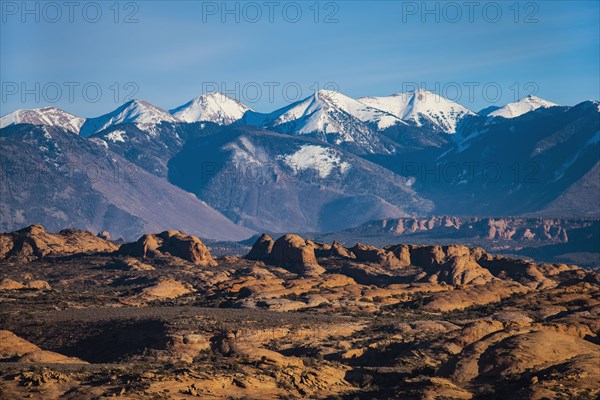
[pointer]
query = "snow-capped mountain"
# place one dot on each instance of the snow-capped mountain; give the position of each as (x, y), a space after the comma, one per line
(211, 107)
(523, 106)
(321, 113)
(141, 113)
(330, 116)
(421, 108)
(51, 116)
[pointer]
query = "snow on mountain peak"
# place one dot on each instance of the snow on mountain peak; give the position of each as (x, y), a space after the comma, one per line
(421, 107)
(139, 112)
(321, 159)
(327, 111)
(211, 107)
(43, 116)
(523, 106)
(329, 116)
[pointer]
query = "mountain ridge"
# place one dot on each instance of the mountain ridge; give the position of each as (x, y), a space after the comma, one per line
(326, 111)
(421, 107)
(135, 111)
(50, 116)
(522, 106)
(213, 107)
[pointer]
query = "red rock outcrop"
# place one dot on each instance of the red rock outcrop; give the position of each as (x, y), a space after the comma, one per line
(262, 248)
(454, 264)
(525, 272)
(375, 255)
(12, 346)
(459, 271)
(174, 243)
(291, 252)
(509, 228)
(340, 251)
(166, 288)
(10, 284)
(34, 242)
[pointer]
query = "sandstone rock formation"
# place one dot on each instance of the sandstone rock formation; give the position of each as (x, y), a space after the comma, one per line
(506, 353)
(174, 243)
(452, 264)
(509, 228)
(262, 248)
(520, 353)
(10, 284)
(293, 252)
(472, 295)
(14, 347)
(455, 264)
(373, 254)
(38, 284)
(289, 251)
(166, 288)
(525, 272)
(34, 242)
(133, 264)
(461, 271)
(337, 250)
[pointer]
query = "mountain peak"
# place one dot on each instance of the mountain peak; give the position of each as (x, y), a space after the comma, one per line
(331, 98)
(331, 116)
(421, 107)
(522, 106)
(134, 111)
(142, 106)
(51, 116)
(328, 93)
(212, 107)
(535, 99)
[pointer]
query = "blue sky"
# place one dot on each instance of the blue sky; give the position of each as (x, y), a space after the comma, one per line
(178, 49)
